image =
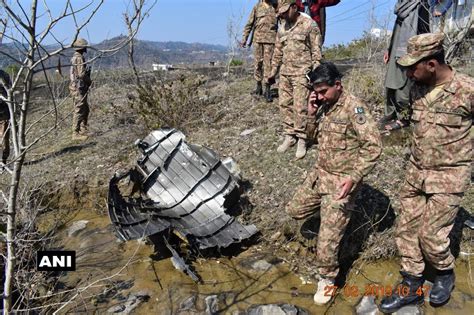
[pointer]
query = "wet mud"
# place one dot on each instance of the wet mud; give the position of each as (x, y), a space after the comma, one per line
(109, 272)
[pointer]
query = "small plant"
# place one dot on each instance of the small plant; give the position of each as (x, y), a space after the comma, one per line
(367, 82)
(174, 104)
(236, 62)
(12, 69)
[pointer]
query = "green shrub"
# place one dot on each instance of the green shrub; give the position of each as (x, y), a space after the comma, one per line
(236, 62)
(174, 104)
(12, 69)
(365, 48)
(367, 82)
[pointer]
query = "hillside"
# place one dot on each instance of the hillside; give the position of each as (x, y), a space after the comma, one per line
(276, 268)
(146, 53)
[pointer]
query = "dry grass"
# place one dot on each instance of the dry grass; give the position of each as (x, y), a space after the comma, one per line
(78, 173)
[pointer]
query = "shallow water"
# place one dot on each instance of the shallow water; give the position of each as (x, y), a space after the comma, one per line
(254, 276)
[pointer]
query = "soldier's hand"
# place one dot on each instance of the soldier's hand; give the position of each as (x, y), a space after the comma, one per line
(242, 44)
(312, 103)
(346, 186)
(386, 56)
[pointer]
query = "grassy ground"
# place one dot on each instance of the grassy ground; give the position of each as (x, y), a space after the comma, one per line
(228, 109)
(77, 173)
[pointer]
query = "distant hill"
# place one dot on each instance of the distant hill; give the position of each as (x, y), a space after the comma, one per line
(146, 53)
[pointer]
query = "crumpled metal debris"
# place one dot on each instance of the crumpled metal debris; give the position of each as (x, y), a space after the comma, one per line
(188, 189)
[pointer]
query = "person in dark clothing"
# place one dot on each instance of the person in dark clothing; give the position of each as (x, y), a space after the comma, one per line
(316, 9)
(412, 19)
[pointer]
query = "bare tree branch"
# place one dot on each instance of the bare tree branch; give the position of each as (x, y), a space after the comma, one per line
(29, 51)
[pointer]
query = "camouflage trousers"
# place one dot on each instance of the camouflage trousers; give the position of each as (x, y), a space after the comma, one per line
(424, 223)
(81, 111)
(335, 215)
(262, 54)
(5, 139)
(293, 101)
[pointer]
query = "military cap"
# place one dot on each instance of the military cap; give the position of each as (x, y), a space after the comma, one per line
(284, 5)
(421, 46)
(79, 44)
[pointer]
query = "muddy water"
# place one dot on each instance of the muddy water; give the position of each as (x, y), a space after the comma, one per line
(252, 277)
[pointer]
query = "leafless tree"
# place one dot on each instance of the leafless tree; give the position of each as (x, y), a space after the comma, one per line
(375, 43)
(29, 30)
(457, 32)
(233, 26)
(132, 21)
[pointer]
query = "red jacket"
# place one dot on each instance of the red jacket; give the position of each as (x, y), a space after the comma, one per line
(315, 8)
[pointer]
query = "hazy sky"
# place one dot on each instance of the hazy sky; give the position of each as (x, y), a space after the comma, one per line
(207, 20)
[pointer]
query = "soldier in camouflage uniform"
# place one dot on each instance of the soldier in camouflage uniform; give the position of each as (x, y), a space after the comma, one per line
(263, 22)
(79, 88)
(438, 172)
(349, 146)
(297, 52)
(5, 83)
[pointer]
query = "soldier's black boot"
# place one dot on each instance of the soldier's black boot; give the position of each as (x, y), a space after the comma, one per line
(408, 292)
(268, 93)
(258, 89)
(442, 286)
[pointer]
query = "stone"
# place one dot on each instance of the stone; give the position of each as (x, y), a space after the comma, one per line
(409, 310)
(116, 309)
(276, 309)
(261, 265)
(275, 236)
(132, 302)
(212, 304)
(247, 132)
(367, 306)
(76, 227)
(188, 303)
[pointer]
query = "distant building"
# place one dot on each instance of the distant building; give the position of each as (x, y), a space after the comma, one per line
(161, 67)
(380, 33)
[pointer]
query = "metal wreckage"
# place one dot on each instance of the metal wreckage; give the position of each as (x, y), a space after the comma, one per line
(188, 190)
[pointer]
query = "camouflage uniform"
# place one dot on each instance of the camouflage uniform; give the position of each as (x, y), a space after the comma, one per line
(4, 118)
(439, 169)
(297, 51)
(263, 22)
(349, 146)
(79, 87)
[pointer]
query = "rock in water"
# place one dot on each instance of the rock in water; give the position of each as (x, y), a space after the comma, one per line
(76, 227)
(212, 304)
(276, 309)
(189, 303)
(261, 265)
(367, 306)
(409, 310)
(132, 302)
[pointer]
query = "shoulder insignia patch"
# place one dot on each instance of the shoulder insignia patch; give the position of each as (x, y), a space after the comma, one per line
(360, 119)
(359, 110)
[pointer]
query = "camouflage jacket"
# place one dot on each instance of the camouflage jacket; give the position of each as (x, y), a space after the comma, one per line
(297, 48)
(79, 74)
(349, 143)
(263, 22)
(441, 151)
